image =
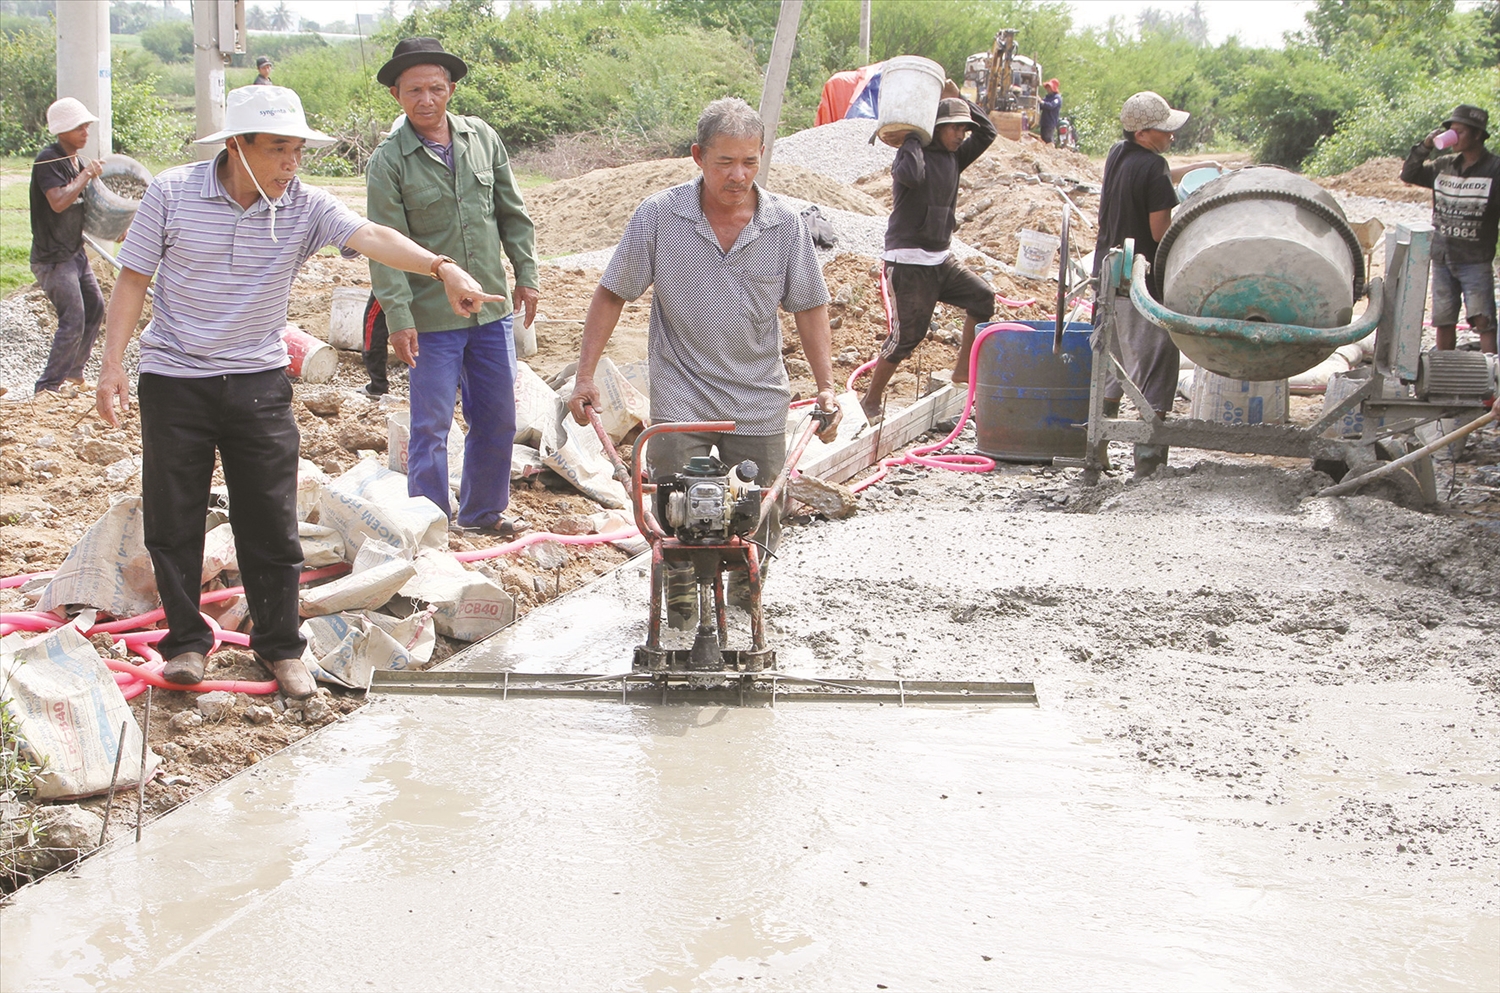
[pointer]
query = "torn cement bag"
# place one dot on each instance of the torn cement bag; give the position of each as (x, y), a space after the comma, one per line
(467, 604)
(108, 568)
(379, 572)
(371, 502)
(69, 712)
(346, 648)
(218, 552)
(579, 458)
(609, 521)
(310, 483)
(320, 545)
(416, 633)
(525, 462)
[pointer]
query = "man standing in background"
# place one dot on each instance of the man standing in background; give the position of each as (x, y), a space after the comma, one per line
(58, 261)
(1466, 213)
(1051, 111)
(445, 181)
(262, 72)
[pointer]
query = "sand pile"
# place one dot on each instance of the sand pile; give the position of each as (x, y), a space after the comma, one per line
(590, 212)
(1379, 178)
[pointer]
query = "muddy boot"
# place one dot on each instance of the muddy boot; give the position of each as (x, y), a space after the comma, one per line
(1149, 458)
(295, 680)
(185, 669)
(682, 596)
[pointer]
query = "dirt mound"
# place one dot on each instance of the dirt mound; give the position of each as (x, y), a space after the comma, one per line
(1017, 185)
(590, 212)
(1377, 178)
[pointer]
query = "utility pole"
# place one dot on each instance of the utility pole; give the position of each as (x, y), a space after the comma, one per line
(218, 32)
(775, 87)
(864, 32)
(83, 70)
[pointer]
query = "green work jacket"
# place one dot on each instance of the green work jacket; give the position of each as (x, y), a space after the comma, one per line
(469, 214)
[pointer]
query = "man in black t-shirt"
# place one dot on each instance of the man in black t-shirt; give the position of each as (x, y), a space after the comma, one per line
(58, 178)
(1136, 202)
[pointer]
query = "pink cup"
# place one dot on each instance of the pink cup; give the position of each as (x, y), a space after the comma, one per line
(1447, 139)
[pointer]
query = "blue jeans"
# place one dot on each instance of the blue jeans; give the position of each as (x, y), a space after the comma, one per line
(75, 294)
(480, 364)
(1475, 283)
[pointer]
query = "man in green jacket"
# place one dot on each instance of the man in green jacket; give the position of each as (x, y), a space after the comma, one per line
(445, 182)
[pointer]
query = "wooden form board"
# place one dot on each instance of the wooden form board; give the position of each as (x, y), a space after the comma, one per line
(846, 459)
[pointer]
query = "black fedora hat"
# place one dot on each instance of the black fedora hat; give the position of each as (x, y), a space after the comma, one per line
(418, 52)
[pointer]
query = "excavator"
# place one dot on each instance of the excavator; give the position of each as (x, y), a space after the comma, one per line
(1005, 84)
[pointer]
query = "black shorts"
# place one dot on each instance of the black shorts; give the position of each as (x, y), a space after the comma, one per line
(918, 289)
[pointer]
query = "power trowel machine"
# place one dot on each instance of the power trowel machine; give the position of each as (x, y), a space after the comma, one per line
(701, 524)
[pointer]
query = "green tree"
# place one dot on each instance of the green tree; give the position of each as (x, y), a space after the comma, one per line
(27, 86)
(144, 124)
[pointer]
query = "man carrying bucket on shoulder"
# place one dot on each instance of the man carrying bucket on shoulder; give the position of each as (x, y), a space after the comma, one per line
(225, 238)
(919, 269)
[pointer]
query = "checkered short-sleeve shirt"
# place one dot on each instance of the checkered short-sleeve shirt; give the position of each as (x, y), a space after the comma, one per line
(714, 345)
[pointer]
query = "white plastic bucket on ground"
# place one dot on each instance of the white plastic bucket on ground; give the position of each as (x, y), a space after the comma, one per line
(910, 88)
(346, 318)
(312, 360)
(1037, 251)
(524, 336)
(1235, 401)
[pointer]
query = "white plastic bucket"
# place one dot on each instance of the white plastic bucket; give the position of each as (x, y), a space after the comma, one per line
(311, 360)
(1235, 401)
(1036, 253)
(525, 337)
(346, 318)
(910, 88)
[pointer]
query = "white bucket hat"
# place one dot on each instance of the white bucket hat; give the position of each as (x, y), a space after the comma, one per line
(1150, 111)
(67, 114)
(266, 110)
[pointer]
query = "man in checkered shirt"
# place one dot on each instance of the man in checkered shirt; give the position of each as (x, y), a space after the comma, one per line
(722, 255)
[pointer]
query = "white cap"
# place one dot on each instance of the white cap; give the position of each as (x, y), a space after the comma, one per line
(266, 110)
(67, 114)
(1147, 110)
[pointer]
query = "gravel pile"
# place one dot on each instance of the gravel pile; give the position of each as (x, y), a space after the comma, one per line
(841, 150)
(28, 342)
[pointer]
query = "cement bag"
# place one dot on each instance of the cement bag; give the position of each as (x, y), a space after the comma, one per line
(218, 552)
(468, 605)
(108, 568)
(379, 573)
(371, 502)
(69, 711)
(310, 483)
(398, 440)
(525, 462)
(320, 545)
(538, 408)
(417, 634)
(621, 405)
(579, 458)
(345, 648)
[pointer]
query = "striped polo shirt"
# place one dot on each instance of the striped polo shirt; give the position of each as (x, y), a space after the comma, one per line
(222, 284)
(714, 346)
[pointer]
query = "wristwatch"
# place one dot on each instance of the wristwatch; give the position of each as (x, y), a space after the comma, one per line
(437, 264)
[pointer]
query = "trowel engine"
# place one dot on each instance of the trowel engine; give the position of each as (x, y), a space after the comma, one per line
(708, 502)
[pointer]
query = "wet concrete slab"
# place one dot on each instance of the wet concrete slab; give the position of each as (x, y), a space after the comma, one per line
(461, 843)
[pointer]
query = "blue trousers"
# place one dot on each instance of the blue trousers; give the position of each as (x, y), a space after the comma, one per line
(478, 364)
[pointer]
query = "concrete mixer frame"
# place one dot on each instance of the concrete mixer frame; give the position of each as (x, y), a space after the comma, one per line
(1394, 313)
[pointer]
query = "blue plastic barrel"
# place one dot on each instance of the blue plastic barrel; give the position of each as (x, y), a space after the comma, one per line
(1031, 405)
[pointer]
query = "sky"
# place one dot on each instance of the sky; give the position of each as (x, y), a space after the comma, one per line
(1257, 22)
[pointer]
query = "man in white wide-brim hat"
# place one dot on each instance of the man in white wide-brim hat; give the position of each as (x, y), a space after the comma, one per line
(61, 267)
(224, 240)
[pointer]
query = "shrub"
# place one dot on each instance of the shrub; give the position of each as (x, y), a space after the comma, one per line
(170, 41)
(27, 86)
(145, 125)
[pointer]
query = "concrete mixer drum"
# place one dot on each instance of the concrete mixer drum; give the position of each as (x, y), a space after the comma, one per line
(1265, 245)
